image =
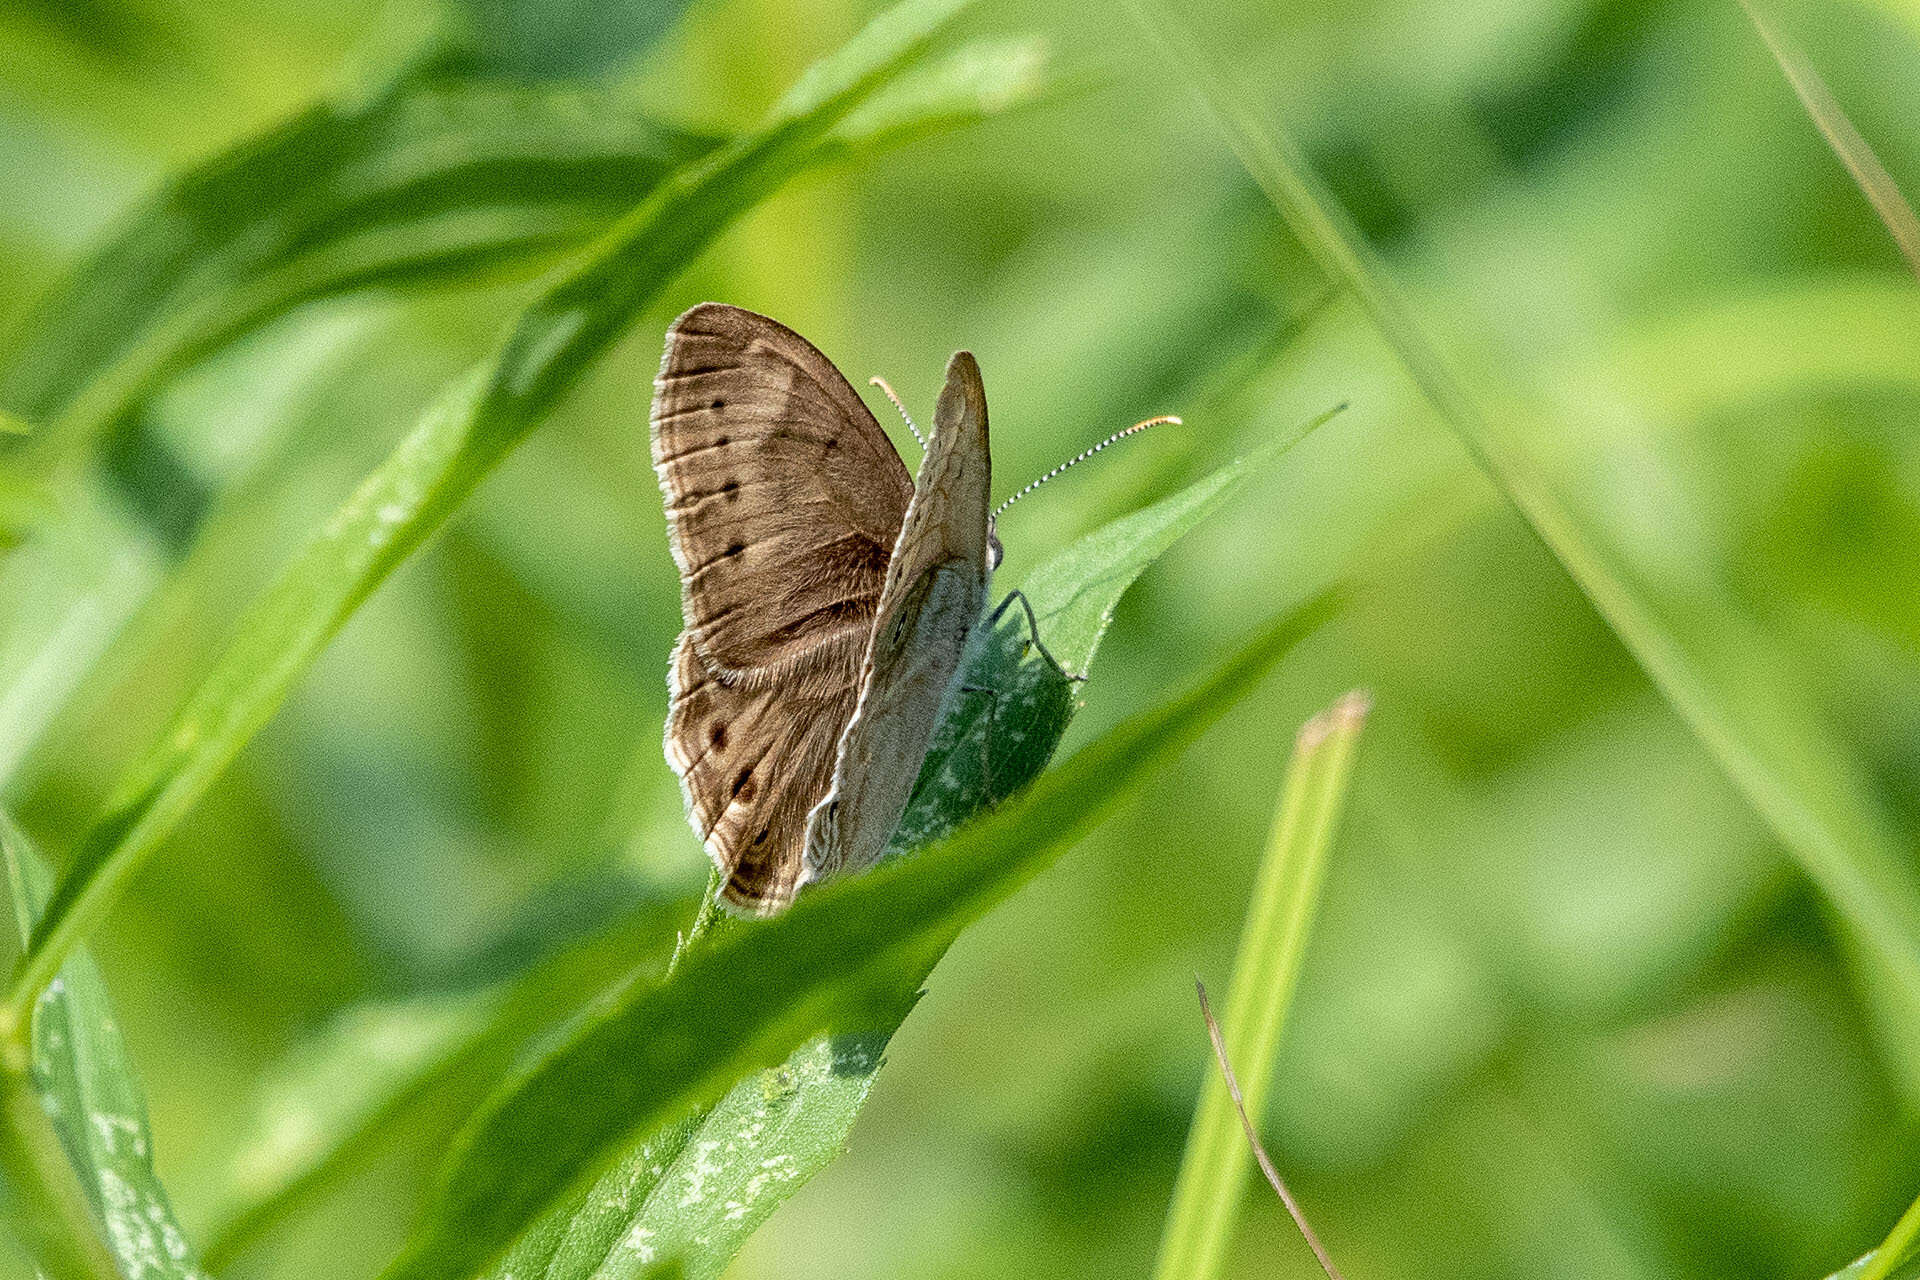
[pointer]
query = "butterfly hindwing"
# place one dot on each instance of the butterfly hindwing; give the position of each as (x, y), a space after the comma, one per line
(752, 761)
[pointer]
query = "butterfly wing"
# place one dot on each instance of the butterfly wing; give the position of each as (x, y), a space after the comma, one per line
(752, 762)
(784, 500)
(935, 588)
(784, 497)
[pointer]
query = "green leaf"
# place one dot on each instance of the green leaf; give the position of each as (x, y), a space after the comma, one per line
(697, 1189)
(554, 39)
(1731, 683)
(691, 1194)
(87, 1085)
(1213, 1172)
(847, 959)
(461, 438)
(422, 182)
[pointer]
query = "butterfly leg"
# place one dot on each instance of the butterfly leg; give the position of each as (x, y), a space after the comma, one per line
(1033, 630)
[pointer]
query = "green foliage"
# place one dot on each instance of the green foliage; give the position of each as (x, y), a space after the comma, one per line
(416, 182)
(480, 417)
(696, 1189)
(364, 1080)
(848, 958)
(1729, 681)
(80, 1070)
(1607, 977)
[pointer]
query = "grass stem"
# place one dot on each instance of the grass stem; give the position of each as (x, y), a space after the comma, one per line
(1207, 1194)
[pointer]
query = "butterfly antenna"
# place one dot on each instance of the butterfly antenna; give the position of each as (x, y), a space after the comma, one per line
(1082, 456)
(904, 415)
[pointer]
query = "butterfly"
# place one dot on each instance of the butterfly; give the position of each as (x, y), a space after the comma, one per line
(827, 597)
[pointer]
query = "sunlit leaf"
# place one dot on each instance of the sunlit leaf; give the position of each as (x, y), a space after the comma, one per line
(86, 1082)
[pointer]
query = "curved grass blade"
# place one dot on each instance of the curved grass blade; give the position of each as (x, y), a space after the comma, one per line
(848, 958)
(1882, 1262)
(426, 182)
(1875, 183)
(85, 1083)
(419, 183)
(697, 1189)
(1207, 1196)
(368, 1077)
(1726, 679)
(480, 418)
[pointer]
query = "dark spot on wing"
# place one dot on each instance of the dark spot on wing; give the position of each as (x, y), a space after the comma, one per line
(734, 548)
(718, 403)
(762, 837)
(743, 787)
(718, 735)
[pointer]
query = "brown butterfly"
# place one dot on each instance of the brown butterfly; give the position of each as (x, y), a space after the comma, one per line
(827, 598)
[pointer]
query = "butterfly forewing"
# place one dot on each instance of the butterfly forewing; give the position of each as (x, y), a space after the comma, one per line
(784, 500)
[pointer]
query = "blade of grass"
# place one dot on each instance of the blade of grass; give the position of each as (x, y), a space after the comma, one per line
(1207, 1196)
(1726, 679)
(482, 416)
(1875, 183)
(849, 957)
(1879, 1264)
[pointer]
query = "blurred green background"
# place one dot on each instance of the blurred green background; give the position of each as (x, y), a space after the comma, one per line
(1570, 1011)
